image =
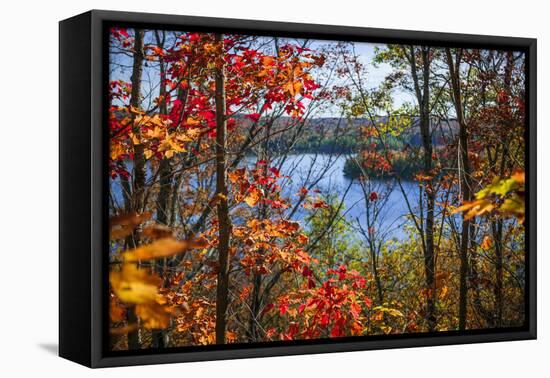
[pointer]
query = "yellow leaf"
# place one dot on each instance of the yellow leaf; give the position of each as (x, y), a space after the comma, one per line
(135, 139)
(253, 197)
(394, 312)
(193, 121)
(390, 311)
(153, 315)
(136, 110)
(183, 137)
(117, 150)
(293, 87)
(175, 146)
(133, 285)
(157, 132)
(155, 120)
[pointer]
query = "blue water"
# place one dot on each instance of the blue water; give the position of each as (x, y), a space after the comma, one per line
(390, 205)
(325, 172)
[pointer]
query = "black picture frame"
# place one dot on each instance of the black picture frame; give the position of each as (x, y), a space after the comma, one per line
(83, 228)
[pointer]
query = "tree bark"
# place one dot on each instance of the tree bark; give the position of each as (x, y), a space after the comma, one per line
(224, 222)
(138, 196)
(372, 248)
(466, 188)
(135, 102)
(159, 337)
(255, 308)
(498, 225)
(498, 288)
(422, 91)
(256, 295)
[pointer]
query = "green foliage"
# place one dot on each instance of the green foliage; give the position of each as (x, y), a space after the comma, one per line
(339, 245)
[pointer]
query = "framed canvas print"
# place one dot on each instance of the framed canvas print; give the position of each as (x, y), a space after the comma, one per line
(233, 188)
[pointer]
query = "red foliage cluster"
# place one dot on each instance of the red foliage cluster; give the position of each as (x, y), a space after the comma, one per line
(333, 308)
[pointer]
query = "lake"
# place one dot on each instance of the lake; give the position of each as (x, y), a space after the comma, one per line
(326, 172)
(308, 167)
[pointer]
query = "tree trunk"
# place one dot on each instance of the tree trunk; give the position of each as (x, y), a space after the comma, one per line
(372, 248)
(377, 277)
(222, 289)
(257, 279)
(138, 194)
(429, 254)
(466, 190)
(159, 337)
(255, 308)
(423, 98)
(498, 225)
(498, 288)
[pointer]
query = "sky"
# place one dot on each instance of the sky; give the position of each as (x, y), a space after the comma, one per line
(365, 51)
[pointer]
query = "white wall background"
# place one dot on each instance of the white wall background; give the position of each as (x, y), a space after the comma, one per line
(29, 188)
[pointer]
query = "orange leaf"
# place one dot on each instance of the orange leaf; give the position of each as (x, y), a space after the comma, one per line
(487, 242)
(199, 243)
(123, 225)
(116, 311)
(236, 175)
(153, 315)
(157, 231)
(475, 208)
(268, 60)
(519, 176)
(164, 247)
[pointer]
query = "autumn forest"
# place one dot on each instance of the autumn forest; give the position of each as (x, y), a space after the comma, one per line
(267, 189)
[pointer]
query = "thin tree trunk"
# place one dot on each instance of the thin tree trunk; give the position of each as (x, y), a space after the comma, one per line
(423, 98)
(377, 277)
(256, 295)
(498, 288)
(429, 255)
(466, 192)
(372, 249)
(497, 226)
(165, 180)
(224, 223)
(135, 102)
(255, 308)
(138, 189)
